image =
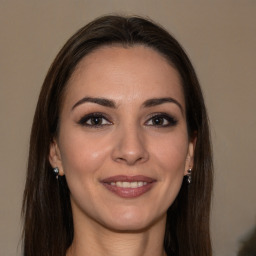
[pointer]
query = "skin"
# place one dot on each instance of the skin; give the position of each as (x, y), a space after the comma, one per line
(127, 141)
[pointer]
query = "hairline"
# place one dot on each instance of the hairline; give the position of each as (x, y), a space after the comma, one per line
(124, 45)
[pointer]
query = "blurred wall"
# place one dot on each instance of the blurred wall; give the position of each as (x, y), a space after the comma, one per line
(220, 38)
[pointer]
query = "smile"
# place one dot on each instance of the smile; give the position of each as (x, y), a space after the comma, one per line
(125, 184)
(128, 186)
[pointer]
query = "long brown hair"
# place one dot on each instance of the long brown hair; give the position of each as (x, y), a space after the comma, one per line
(48, 225)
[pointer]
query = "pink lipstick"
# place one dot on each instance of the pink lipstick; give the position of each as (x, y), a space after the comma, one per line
(128, 186)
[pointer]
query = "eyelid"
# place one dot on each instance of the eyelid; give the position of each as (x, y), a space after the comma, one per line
(82, 121)
(170, 118)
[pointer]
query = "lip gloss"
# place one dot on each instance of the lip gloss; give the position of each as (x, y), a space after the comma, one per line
(128, 186)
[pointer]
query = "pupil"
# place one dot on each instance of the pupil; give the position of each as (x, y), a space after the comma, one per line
(158, 121)
(96, 120)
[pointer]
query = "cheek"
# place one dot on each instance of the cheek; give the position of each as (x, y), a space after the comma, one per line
(170, 159)
(82, 155)
(82, 159)
(171, 153)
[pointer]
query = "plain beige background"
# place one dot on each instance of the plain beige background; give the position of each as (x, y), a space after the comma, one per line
(220, 38)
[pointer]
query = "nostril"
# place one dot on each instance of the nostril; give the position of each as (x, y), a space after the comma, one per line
(130, 160)
(129, 147)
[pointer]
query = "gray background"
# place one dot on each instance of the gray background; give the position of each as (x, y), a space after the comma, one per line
(220, 38)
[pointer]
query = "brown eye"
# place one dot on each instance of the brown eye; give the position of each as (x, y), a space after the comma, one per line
(161, 120)
(158, 121)
(94, 120)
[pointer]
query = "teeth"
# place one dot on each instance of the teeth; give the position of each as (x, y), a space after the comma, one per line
(125, 184)
(140, 183)
(119, 184)
(134, 184)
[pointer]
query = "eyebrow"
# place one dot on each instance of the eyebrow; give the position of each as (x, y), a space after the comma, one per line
(111, 104)
(159, 101)
(101, 101)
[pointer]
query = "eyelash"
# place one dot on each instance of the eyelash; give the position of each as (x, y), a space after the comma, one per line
(165, 120)
(83, 121)
(171, 121)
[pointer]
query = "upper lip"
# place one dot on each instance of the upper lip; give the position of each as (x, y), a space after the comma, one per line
(128, 178)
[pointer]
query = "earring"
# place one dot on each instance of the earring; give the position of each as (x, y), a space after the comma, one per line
(56, 172)
(189, 176)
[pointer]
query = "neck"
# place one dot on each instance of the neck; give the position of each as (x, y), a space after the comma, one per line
(96, 240)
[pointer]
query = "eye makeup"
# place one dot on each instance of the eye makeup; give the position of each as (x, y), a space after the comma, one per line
(161, 120)
(99, 120)
(94, 120)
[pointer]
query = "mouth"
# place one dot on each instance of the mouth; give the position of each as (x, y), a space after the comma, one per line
(128, 186)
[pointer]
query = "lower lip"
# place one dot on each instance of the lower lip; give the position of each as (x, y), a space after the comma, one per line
(129, 192)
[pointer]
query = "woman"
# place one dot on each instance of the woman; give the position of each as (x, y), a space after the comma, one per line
(120, 156)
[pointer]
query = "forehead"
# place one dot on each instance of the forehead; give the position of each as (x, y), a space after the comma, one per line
(115, 72)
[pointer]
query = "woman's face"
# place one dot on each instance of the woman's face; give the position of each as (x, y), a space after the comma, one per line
(123, 143)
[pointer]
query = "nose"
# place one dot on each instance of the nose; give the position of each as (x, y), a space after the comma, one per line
(130, 147)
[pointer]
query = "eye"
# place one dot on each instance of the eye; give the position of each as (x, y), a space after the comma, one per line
(94, 120)
(161, 120)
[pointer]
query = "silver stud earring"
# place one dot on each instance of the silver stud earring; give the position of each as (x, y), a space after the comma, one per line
(56, 172)
(189, 179)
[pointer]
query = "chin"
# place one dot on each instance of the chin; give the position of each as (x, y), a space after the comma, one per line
(133, 221)
(127, 226)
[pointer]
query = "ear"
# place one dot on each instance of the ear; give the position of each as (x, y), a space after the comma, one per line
(190, 155)
(55, 157)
